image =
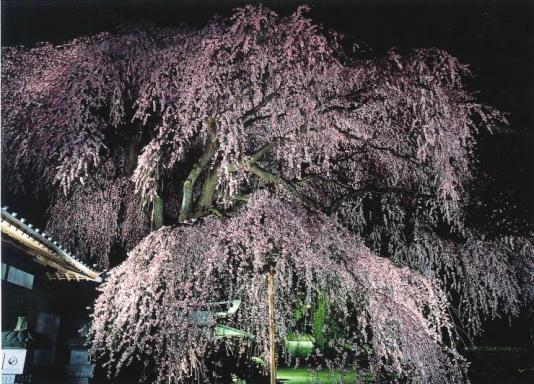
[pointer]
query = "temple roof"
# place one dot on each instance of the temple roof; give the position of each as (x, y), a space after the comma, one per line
(44, 250)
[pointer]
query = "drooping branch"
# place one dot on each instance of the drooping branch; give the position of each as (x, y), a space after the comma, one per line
(272, 335)
(199, 166)
(378, 147)
(407, 124)
(185, 266)
(343, 182)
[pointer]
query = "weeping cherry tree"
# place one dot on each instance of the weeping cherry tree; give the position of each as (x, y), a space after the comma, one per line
(258, 149)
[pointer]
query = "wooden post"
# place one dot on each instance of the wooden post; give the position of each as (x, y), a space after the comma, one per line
(272, 344)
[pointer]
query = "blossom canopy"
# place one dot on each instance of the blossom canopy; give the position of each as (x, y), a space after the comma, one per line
(257, 141)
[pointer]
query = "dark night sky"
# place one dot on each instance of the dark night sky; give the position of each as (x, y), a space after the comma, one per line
(495, 37)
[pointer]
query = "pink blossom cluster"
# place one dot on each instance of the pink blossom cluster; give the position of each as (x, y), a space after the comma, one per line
(146, 304)
(264, 142)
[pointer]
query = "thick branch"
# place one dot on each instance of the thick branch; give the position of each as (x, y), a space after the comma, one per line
(258, 155)
(208, 188)
(271, 178)
(198, 167)
(276, 179)
(261, 104)
(207, 196)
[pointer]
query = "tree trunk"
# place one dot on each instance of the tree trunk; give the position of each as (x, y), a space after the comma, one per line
(156, 219)
(199, 166)
(133, 153)
(205, 201)
(272, 344)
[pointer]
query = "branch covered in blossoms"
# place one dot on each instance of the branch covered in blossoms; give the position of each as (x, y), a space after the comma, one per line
(146, 307)
(259, 138)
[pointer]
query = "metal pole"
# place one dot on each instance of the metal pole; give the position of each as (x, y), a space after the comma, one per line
(272, 345)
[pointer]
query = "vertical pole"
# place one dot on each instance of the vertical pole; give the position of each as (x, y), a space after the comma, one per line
(272, 345)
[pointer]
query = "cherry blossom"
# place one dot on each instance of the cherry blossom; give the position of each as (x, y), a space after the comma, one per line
(258, 142)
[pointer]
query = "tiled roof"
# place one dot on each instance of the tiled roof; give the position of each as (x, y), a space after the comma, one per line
(44, 249)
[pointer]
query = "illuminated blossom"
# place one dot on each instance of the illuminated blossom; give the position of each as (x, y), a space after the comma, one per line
(258, 139)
